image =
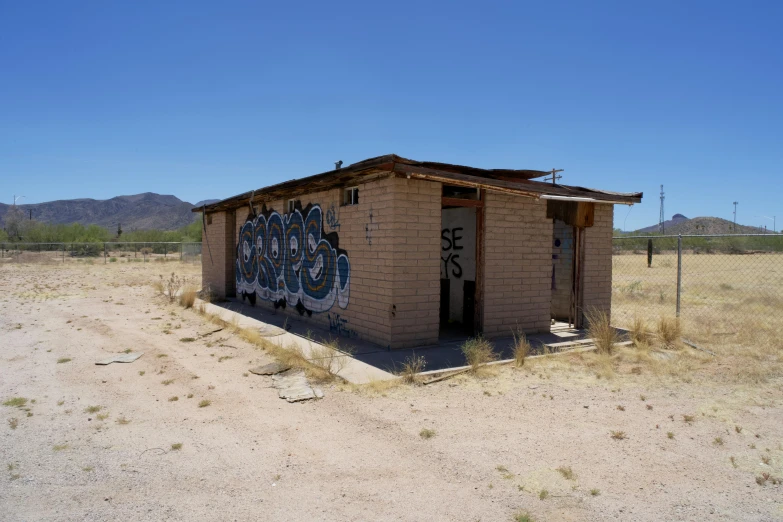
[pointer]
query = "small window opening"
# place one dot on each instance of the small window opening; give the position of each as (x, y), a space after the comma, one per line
(291, 205)
(351, 196)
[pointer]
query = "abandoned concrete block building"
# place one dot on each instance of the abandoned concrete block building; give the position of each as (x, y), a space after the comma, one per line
(403, 253)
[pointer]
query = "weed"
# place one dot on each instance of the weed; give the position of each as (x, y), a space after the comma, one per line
(669, 331)
(188, 296)
(63, 360)
(187, 340)
(87, 469)
(478, 352)
(123, 421)
(619, 435)
(224, 358)
(204, 403)
(595, 492)
(161, 355)
(16, 402)
(670, 434)
(765, 459)
(411, 369)
(567, 472)
(427, 433)
(738, 429)
(718, 441)
(142, 372)
(60, 447)
(102, 416)
(522, 348)
(173, 399)
(13, 423)
(167, 382)
(92, 409)
(642, 398)
(600, 330)
(620, 407)
(688, 418)
(523, 516)
(176, 446)
(112, 260)
(639, 332)
(733, 461)
(190, 395)
(543, 494)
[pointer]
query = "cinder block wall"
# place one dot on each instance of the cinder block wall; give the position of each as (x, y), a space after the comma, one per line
(392, 240)
(218, 257)
(597, 272)
(415, 234)
(518, 265)
(363, 231)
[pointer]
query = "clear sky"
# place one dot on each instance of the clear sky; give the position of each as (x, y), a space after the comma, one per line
(210, 99)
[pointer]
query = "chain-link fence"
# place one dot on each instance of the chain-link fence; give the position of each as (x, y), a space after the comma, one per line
(109, 252)
(716, 284)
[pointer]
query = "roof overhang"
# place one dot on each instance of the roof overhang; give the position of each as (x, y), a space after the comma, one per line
(518, 182)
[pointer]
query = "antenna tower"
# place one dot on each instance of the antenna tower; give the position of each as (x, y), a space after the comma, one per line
(661, 219)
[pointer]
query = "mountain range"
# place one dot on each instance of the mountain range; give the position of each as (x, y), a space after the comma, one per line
(145, 211)
(679, 224)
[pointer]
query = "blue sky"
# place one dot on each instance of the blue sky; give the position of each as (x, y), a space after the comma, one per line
(209, 99)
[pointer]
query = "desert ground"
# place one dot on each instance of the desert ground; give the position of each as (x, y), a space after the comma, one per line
(649, 432)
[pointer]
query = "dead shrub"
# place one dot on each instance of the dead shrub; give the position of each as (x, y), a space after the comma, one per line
(478, 352)
(669, 331)
(188, 296)
(522, 348)
(411, 369)
(600, 330)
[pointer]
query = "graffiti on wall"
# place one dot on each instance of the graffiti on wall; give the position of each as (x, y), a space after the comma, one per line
(291, 260)
(331, 218)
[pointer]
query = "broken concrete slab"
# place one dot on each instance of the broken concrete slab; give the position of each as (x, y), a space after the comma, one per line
(269, 330)
(294, 387)
(270, 369)
(121, 358)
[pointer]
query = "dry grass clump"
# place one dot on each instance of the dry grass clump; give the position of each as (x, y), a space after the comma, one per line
(411, 369)
(478, 352)
(669, 331)
(600, 330)
(427, 433)
(522, 348)
(639, 332)
(188, 296)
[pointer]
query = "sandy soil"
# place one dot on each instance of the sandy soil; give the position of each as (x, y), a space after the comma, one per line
(357, 454)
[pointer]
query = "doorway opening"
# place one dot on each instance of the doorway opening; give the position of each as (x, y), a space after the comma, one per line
(568, 231)
(461, 210)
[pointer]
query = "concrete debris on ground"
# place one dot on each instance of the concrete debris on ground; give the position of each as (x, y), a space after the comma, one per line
(270, 369)
(269, 330)
(121, 358)
(294, 387)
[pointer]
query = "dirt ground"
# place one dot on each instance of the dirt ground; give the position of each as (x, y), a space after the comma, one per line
(693, 436)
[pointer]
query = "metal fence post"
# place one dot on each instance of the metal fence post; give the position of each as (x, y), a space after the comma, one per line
(180, 251)
(104, 253)
(679, 272)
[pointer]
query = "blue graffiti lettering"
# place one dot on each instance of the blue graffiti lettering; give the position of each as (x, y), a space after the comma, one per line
(291, 260)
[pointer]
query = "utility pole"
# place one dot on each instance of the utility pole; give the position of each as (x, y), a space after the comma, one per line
(662, 218)
(555, 177)
(735, 215)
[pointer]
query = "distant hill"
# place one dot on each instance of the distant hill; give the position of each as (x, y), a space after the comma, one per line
(146, 211)
(680, 224)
